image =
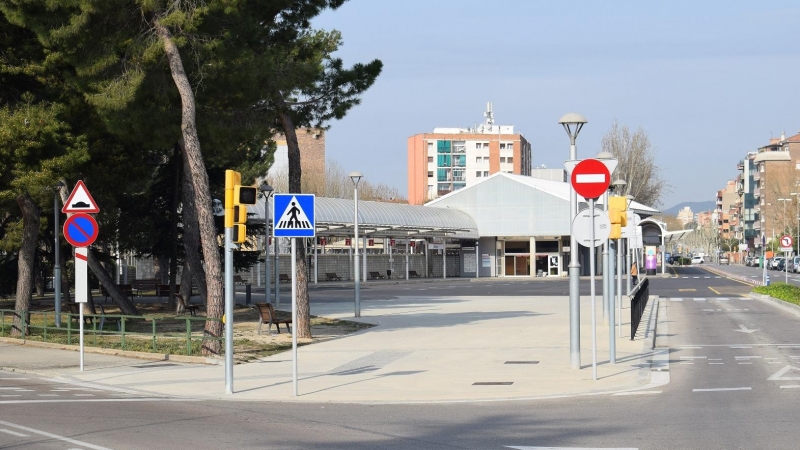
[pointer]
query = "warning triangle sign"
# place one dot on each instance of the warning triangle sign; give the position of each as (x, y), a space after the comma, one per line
(80, 201)
(293, 218)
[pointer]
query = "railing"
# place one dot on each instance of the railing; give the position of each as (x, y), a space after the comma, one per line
(638, 303)
(173, 335)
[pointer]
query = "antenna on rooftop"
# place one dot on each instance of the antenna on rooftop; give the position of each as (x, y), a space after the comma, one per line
(489, 115)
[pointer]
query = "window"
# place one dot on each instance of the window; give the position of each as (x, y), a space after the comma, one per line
(430, 159)
(486, 159)
(486, 173)
(502, 146)
(502, 158)
(510, 160)
(478, 174)
(478, 160)
(430, 173)
(485, 145)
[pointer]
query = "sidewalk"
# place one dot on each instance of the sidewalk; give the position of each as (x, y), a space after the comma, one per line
(421, 350)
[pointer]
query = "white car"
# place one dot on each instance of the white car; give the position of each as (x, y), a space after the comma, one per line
(697, 259)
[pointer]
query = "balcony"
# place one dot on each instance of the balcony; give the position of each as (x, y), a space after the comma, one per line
(756, 176)
(757, 192)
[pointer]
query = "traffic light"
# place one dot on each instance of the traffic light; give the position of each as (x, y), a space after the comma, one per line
(236, 199)
(618, 215)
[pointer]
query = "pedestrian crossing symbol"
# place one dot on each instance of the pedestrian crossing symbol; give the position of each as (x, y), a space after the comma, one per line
(294, 215)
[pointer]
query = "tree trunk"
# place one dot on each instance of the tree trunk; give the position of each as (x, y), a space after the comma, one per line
(193, 266)
(107, 281)
(30, 234)
(205, 219)
(303, 325)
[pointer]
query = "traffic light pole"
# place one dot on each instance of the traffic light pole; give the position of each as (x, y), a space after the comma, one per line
(229, 300)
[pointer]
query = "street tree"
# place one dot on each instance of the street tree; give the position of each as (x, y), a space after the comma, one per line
(636, 158)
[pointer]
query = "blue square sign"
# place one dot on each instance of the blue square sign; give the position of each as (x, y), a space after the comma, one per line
(294, 215)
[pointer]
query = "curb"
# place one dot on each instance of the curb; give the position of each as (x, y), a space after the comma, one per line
(116, 352)
(786, 306)
(734, 277)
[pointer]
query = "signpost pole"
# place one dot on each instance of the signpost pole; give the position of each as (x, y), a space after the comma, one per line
(81, 297)
(229, 310)
(612, 299)
(591, 284)
(294, 317)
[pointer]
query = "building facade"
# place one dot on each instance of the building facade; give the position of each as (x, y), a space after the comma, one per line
(450, 159)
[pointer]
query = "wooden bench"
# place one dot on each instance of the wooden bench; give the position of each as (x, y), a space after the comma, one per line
(413, 274)
(267, 315)
(146, 285)
(162, 290)
(127, 290)
(237, 279)
(74, 314)
(376, 276)
(331, 276)
(283, 278)
(116, 320)
(191, 307)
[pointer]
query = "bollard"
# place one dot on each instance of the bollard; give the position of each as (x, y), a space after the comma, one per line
(247, 294)
(767, 279)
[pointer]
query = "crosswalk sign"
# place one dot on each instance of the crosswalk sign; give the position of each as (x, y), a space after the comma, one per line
(294, 215)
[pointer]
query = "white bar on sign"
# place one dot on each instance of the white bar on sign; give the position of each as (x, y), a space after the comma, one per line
(590, 178)
(81, 275)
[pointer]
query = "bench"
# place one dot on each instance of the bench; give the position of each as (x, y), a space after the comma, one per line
(331, 276)
(413, 274)
(74, 314)
(283, 278)
(127, 290)
(146, 285)
(237, 279)
(376, 276)
(192, 308)
(267, 315)
(116, 320)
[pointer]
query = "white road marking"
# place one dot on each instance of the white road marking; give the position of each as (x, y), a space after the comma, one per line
(12, 379)
(676, 299)
(685, 347)
(709, 310)
(747, 357)
(686, 362)
(791, 386)
(47, 395)
(699, 299)
(716, 363)
(774, 362)
(567, 448)
(745, 363)
(695, 277)
(779, 375)
(741, 346)
(83, 395)
(715, 359)
(14, 395)
(723, 389)
(4, 388)
(13, 433)
(54, 436)
(694, 357)
(637, 393)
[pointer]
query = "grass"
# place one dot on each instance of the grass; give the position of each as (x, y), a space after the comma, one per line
(782, 291)
(170, 331)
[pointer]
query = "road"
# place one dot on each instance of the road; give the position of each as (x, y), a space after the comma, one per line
(735, 383)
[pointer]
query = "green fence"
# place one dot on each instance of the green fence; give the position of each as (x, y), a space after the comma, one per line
(170, 335)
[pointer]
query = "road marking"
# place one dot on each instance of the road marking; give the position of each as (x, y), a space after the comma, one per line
(791, 386)
(709, 310)
(4, 388)
(747, 357)
(716, 363)
(637, 393)
(745, 363)
(700, 299)
(12, 379)
(744, 329)
(741, 346)
(694, 357)
(723, 389)
(715, 359)
(779, 375)
(676, 299)
(695, 277)
(723, 299)
(789, 346)
(83, 395)
(691, 346)
(47, 395)
(13, 433)
(714, 290)
(10, 395)
(568, 448)
(54, 436)
(686, 362)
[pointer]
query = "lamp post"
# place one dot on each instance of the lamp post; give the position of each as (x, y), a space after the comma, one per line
(267, 191)
(616, 291)
(57, 255)
(572, 123)
(356, 178)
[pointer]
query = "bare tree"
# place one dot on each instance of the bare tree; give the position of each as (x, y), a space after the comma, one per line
(636, 164)
(337, 184)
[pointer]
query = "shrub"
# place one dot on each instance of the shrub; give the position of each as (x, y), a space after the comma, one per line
(782, 291)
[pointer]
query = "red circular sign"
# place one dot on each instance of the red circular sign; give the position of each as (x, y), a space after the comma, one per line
(590, 178)
(80, 230)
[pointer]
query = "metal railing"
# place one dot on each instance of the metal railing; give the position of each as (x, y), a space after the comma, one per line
(172, 335)
(638, 303)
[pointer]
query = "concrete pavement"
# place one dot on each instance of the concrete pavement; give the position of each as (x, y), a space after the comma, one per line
(421, 349)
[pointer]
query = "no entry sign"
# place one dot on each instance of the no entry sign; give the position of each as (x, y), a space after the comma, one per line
(590, 178)
(80, 230)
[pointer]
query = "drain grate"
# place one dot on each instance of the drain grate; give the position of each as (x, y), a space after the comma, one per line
(493, 383)
(522, 362)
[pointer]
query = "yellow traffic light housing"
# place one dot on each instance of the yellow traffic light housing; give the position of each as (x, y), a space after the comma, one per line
(617, 215)
(236, 197)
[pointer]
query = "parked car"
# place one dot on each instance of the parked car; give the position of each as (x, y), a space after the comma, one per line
(723, 260)
(697, 259)
(776, 263)
(795, 266)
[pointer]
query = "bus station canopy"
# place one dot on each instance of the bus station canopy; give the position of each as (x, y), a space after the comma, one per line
(334, 217)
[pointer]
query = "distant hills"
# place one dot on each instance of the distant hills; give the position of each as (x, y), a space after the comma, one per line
(696, 207)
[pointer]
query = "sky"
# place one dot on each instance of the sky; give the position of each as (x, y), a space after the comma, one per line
(708, 81)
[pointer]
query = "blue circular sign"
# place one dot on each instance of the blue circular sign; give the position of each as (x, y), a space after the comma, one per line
(80, 230)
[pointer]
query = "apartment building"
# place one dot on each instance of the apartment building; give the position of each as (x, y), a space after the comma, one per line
(450, 159)
(777, 186)
(685, 215)
(748, 226)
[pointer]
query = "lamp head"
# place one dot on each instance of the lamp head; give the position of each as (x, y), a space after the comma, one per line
(266, 189)
(356, 177)
(572, 123)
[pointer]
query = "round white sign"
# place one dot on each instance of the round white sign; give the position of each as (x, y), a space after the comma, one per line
(786, 241)
(582, 227)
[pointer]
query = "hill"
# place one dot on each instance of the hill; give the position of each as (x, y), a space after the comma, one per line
(695, 206)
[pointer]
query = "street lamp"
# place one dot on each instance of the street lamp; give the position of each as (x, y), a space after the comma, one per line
(356, 177)
(267, 191)
(572, 123)
(57, 266)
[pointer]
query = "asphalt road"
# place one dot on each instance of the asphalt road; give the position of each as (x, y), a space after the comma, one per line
(735, 384)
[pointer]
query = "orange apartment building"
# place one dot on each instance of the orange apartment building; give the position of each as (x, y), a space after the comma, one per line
(450, 159)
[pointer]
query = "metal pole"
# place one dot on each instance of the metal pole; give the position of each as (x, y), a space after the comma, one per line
(477, 261)
(294, 317)
(574, 276)
(606, 265)
(357, 284)
(628, 262)
(228, 323)
(407, 259)
(364, 258)
(591, 284)
(266, 249)
(316, 261)
(622, 248)
(80, 319)
(57, 267)
(444, 258)
(277, 274)
(612, 297)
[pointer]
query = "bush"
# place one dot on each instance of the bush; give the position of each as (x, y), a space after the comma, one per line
(782, 291)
